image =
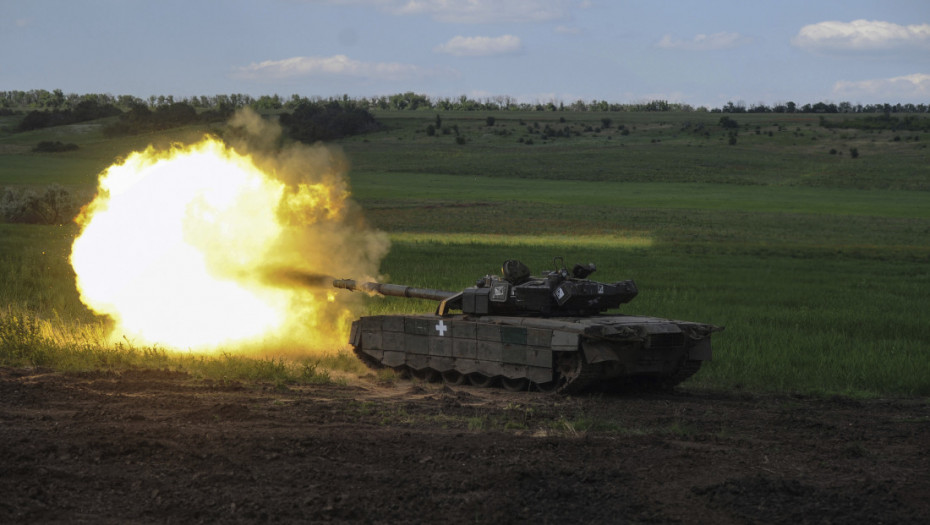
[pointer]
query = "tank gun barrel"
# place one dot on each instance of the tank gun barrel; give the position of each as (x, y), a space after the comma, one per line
(393, 290)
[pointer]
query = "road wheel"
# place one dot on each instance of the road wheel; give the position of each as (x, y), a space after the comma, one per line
(454, 377)
(480, 380)
(519, 384)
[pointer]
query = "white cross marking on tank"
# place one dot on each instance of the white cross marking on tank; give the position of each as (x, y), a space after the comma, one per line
(441, 328)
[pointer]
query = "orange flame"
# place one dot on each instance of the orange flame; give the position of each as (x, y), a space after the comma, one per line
(181, 248)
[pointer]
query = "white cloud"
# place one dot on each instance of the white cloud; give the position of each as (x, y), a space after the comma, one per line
(482, 11)
(914, 87)
(334, 66)
(703, 42)
(862, 35)
(477, 11)
(568, 30)
(475, 46)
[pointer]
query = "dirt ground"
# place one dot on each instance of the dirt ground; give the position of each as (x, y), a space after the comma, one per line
(152, 446)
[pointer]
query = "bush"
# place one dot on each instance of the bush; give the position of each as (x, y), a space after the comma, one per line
(83, 111)
(91, 110)
(47, 146)
(21, 340)
(312, 122)
(43, 119)
(728, 123)
(140, 119)
(176, 114)
(54, 206)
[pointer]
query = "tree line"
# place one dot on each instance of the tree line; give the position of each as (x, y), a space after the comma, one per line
(40, 99)
(309, 121)
(880, 122)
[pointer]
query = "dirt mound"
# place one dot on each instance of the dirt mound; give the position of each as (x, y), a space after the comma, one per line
(159, 446)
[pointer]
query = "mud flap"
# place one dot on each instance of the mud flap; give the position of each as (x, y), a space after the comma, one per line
(700, 351)
(355, 335)
(564, 341)
(393, 359)
(598, 352)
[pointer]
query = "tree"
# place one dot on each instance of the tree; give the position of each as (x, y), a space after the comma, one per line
(728, 123)
(311, 122)
(58, 99)
(822, 107)
(266, 102)
(175, 114)
(739, 107)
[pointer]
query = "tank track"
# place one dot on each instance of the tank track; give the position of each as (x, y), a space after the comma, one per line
(589, 375)
(586, 376)
(688, 368)
(368, 360)
(578, 376)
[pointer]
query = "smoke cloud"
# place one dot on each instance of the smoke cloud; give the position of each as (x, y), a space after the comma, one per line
(225, 235)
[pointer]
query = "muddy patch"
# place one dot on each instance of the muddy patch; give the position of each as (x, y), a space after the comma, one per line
(161, 446)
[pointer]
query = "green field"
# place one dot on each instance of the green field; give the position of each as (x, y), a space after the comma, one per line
(817, 263)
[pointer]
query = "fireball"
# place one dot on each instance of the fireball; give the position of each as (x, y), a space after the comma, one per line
(181, 248)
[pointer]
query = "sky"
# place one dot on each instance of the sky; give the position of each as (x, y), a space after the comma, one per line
(702, 53)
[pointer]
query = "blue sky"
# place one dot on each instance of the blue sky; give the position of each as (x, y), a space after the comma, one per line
(699, 53)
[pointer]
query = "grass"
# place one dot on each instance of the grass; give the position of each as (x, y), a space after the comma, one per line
(435, 191)
(668, 147)
(75, 170)
(816, 263)
(814, 324)
(583, 424)
(27, 341)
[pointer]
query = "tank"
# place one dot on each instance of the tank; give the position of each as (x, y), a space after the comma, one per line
(522, 332)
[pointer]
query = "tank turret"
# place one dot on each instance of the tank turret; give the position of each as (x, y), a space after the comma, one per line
(516, 292)
(557, 293)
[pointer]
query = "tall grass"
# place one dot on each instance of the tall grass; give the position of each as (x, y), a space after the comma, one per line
(27, 341)
(43, 323)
